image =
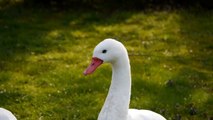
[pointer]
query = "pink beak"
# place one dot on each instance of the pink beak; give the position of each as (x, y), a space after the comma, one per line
(92, 67)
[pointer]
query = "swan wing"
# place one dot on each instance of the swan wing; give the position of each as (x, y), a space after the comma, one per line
(134, 114)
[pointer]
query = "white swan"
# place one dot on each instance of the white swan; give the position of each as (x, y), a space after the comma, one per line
(6, 115)
(116, 106)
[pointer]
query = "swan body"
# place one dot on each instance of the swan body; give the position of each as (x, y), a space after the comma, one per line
(6, 115)
(116, 106)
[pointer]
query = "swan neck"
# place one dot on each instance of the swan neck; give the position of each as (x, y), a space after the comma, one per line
(121, 79)
(117, 102)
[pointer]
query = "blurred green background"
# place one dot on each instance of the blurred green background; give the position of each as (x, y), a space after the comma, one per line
(46, 45)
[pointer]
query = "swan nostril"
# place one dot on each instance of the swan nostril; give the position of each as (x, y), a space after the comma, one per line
(93, 63)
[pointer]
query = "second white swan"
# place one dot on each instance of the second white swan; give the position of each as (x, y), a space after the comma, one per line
(6, 115)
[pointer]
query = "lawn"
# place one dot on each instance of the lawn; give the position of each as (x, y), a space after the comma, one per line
(43, 55)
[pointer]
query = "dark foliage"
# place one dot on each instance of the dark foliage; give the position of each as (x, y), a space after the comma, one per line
(124, 4)
(112, 4)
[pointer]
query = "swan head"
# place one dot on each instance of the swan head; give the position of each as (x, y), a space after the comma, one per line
(107, 51)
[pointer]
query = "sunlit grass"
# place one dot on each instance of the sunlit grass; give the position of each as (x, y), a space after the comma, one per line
(43, 56)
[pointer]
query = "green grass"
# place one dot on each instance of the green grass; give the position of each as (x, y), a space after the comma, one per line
(43, 55)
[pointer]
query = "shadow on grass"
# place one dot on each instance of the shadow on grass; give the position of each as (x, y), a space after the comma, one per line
(190, 90)
(24, 33)
(8, 96)
(196, 31)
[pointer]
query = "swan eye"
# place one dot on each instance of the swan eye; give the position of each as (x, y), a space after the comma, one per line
(104, 51)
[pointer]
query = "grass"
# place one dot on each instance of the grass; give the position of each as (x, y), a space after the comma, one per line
(43, 55)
